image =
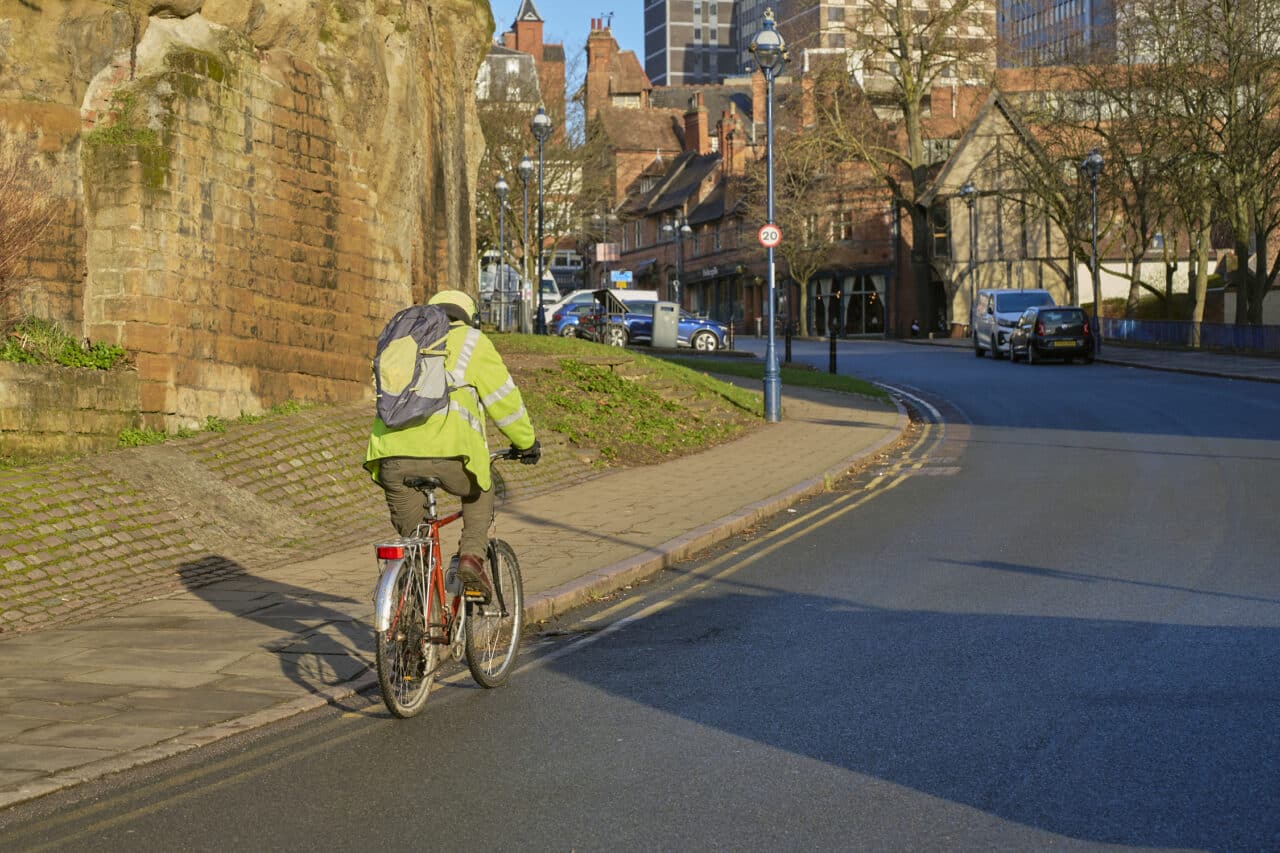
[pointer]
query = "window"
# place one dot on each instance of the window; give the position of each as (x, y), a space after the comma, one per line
(844, 225)
(940, 220)
(811, 229)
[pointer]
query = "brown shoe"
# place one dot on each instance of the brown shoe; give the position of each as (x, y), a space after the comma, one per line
(475, 579)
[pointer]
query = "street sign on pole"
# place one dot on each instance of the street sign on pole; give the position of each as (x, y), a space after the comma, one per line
(770, 235)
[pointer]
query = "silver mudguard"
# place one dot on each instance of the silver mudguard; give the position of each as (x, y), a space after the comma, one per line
(384, 595)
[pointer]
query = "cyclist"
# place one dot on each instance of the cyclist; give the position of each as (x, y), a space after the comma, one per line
(450, 445)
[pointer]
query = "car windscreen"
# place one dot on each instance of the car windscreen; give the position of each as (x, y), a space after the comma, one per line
(640, 308)
(1007, 303)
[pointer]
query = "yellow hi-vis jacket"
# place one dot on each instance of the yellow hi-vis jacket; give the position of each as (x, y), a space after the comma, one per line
(482, 384)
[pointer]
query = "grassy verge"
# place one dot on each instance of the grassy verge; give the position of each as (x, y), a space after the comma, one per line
(805, 377)
(623, 407)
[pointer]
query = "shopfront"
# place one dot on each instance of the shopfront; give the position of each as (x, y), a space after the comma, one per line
(853, 301)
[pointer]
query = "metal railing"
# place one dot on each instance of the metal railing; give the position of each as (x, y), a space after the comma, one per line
(1261, 340)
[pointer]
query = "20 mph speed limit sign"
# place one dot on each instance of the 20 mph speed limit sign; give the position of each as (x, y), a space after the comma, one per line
(770, 235)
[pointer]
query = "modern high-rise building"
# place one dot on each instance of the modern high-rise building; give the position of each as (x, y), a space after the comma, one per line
(1053, 32)
(690, 41)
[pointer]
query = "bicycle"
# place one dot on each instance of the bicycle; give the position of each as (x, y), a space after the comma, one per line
(420, 607)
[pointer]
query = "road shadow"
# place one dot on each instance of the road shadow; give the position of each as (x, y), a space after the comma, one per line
(1115, 732)
(317, 638)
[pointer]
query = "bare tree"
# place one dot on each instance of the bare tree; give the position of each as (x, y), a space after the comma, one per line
(26, 209)
(903, 48)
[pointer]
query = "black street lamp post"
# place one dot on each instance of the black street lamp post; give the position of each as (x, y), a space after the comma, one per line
(606, 254)
(500, 280)
(969, 193)
(541, 128)
(770, 53)
(1092, 169)
(677, 230)
(526, 172)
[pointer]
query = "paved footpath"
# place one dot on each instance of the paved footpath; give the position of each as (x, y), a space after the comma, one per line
(158, 678)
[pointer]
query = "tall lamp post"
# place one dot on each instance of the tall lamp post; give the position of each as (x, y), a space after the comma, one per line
(541, 128)
(526, 172)
(1091, 167)
(969, 193)
(770, 53)
(677, 230)
(606, 254)
(500, 281)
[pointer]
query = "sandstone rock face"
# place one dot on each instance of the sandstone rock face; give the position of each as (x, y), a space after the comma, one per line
(246, 189)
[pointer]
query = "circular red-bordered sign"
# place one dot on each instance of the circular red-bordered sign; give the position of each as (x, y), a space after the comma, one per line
(770, 235)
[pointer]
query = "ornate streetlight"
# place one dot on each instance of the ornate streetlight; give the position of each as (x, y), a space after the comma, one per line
(969, 193)
(1091, 168)
(677, 230)
(541, 128)
(526, 172)
(770, 53)
(500, 281)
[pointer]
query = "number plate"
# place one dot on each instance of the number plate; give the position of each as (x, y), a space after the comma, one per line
(1066, 343)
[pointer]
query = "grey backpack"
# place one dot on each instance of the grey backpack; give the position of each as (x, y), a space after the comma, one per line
(408, 368)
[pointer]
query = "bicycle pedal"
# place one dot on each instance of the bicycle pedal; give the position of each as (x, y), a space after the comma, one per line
(475, 596)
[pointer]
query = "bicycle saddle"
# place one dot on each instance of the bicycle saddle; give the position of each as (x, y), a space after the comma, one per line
(422, 483)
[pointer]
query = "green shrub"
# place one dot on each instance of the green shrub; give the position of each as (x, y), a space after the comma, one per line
(36, 341)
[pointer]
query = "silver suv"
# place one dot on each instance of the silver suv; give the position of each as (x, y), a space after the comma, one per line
(996, 312)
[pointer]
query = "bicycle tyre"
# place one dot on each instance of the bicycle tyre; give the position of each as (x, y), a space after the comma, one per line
(405, 655)
(493, 629)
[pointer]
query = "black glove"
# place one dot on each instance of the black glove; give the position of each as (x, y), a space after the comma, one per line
(530, 455)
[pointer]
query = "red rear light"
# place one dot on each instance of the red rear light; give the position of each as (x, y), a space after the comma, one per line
(390, 552)
(1087, 330)
(1040, 329)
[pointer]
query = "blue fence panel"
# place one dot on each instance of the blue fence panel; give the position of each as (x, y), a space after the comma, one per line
(1178, 333)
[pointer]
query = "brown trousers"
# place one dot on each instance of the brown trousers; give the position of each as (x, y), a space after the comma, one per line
(408, 506)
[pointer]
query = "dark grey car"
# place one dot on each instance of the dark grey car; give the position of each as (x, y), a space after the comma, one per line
(1052, 331)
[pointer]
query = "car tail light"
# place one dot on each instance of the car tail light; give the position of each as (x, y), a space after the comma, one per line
(390, 552)
(1040, 329)
(1087, 330)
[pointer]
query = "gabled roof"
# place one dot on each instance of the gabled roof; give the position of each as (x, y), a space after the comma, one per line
(680, 183)
(997, 105)
(717, 99)
(626, 74)
(641, 130)
(528, 12)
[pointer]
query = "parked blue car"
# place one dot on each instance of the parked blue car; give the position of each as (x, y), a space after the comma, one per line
(632, 323)
(565, 321)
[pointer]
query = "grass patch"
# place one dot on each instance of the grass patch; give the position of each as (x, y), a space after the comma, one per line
(805, 377)
(622, 407)
(35, 341)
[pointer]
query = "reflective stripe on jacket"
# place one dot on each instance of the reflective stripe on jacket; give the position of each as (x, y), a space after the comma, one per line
(482, 385)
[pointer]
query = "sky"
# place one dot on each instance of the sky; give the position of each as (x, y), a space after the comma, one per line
(568, 22)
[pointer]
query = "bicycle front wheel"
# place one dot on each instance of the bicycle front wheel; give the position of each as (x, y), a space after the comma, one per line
(405, 654)
(493, 629)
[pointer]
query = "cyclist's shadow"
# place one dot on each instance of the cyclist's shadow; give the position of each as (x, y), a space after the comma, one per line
(315, 639)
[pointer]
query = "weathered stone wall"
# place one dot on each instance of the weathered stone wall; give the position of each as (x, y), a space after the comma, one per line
(248, 190)
(54, 410)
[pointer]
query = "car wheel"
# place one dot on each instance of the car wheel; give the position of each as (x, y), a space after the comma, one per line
(1031, 353)
(995, 350)
(1013, 354)
(977, 350)
(704, 341)
(615, 336)
(566, 332)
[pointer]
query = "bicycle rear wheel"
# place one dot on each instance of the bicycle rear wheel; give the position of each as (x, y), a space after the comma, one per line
(493, 629)
(405, 654)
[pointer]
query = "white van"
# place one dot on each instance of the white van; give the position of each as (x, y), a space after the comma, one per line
(996, 312)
